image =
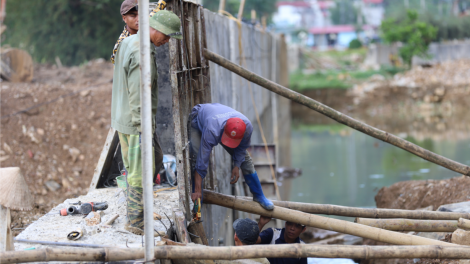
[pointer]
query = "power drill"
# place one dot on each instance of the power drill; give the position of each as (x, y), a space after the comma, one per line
(84, 208)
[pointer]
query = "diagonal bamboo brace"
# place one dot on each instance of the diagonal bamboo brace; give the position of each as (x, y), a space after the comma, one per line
(320, 221)
(338, 116)
(331, 209)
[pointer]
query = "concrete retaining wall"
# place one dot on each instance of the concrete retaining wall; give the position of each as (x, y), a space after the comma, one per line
(260, 52)
(379, 54)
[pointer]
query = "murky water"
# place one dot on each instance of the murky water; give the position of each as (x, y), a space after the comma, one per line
(346, 167)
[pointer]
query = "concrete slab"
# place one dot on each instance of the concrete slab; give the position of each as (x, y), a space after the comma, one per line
(53, 227)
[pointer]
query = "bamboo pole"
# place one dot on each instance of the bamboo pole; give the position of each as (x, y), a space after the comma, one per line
(146, 126)
(464, 224)
(330, 209)
(240, 10)
(319, 221)
(232, 253)
(410, 225)
(338, 116)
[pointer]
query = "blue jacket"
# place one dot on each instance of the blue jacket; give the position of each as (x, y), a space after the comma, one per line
(210, 120)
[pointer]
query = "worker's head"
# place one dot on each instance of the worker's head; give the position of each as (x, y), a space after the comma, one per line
(163, 26)
(293, 230)
(246, 232)
(234, 131)
(130, 15)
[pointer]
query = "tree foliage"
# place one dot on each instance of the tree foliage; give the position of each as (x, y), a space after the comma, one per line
(73, 30)
(355, 44)
(413, 33)
(262, 7)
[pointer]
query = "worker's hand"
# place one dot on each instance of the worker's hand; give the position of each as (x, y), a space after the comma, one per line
(197, 187)
(263, 220)
(235, 175)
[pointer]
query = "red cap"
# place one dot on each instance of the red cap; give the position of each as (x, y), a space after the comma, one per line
(233, 132)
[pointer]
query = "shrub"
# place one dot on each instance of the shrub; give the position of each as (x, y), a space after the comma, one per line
(355, 44)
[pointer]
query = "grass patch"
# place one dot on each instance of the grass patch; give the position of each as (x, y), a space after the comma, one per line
(336, 79)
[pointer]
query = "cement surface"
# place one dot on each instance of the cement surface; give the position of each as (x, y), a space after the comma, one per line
(53, 227)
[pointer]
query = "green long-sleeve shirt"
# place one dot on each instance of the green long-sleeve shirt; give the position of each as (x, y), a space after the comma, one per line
(125, 106)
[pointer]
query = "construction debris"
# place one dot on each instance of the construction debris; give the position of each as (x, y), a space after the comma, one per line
(54, 228)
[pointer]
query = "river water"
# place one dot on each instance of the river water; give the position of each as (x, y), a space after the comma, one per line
(346, 167)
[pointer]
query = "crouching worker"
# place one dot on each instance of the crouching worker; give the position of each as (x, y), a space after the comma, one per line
(125, 108)
(288, 235)
(213, 124)
(246, 234)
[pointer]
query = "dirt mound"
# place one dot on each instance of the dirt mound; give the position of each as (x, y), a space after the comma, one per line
(447, 82)
(418, 194)
(57, 142)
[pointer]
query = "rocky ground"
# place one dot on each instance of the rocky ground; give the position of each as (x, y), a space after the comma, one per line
(58, 141)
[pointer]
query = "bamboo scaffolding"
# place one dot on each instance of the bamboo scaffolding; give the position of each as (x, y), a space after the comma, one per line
(330, 209)
(319, 221)
(232, 253)
(338, 116)
(464, 224)
(410, 225)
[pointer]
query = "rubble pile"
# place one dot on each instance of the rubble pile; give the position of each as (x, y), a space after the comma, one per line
(57, 141)
(441, 82)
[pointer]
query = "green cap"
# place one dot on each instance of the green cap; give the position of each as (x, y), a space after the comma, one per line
(167, 23)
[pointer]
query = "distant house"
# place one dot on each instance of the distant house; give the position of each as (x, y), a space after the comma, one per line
(294, 17)
(308, 22)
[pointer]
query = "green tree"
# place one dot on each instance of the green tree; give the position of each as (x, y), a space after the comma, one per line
(262, 7)
(414, 34)
(73, 30)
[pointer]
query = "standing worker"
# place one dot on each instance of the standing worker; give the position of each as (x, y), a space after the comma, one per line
(130, 16)
(213, 124)
(125, 108)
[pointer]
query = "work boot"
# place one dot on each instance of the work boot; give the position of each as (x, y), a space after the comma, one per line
(135, 210)
(252, 181)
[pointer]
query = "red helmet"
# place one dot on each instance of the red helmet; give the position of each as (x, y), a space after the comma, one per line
(234, 131)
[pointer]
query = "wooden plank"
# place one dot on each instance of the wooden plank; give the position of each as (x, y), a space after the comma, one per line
(6, 237)
(180, 223)
(106, 158)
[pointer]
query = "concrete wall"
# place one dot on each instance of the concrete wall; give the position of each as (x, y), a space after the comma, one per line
(264, 54)
(379, 54)
(441, 52)
(261, 53)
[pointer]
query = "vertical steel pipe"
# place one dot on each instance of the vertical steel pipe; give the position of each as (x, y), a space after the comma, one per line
(146, 126)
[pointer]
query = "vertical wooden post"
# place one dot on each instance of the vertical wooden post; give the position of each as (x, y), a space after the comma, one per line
(222, 5)
(6, 237)
(240, 10)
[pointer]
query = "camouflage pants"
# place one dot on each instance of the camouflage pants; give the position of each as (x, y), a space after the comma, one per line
(132, 158)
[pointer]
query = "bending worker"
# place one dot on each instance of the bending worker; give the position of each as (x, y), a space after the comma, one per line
(125, 108)
(213, 124)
